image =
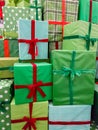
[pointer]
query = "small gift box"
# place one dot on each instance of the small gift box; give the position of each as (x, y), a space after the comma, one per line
(32, 82)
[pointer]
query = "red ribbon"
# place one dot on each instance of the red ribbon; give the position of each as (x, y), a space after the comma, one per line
(69, 122)
(90, 13)
(96, 58)
(2, 3)
(6, 48)
(33, 49)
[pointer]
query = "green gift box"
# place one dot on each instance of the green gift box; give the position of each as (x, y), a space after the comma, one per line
(73, 77)
(6, 67)
(32, 82)
(5, 97)
(13, 14)
(19, 114)
(9, 48)
(84, 10)
(80, 35)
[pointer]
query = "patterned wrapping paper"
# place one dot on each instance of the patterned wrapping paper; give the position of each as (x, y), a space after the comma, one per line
(6, 67)
(78, 37)
(11, 17)
(5, 96)
(33, 30)
(84, 10)
(69, 114)
(24, 79)
(53, 11)
(9, 48)
(40, 109)
(69, 69)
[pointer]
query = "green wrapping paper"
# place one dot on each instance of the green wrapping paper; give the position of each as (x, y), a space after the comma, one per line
(10, 47)
(40, 109)
(5, 97)
(70, 68)
(84, 10)
(6, 64)
(24, 77)
(78, 37)
(11, 17)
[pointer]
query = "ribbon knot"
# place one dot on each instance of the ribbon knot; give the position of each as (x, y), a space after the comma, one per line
(87, 38)
(2, 107)
(34, 88)
(30, 122)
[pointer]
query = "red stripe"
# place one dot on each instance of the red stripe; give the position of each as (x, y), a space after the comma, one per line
(96, 82)
(69, 122)
(56, 45)
(6, 48)
(96, 58)
(58, 22)
(90, 12)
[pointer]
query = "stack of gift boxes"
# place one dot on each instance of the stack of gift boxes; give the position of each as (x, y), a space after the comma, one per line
(57, 94)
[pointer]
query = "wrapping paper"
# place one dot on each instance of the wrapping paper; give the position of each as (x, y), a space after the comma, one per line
(28, 29)
(84, 10)
(24, 74)
(23, 3)
(53, 11)
(40, 109)
(11, 17)
(6, 67)
(69, 69)
(75, 29)
(67, 113)
(5, 96)
(9, 48)
(96, 69)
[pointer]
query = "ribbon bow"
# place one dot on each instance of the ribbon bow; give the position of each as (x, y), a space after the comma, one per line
(2, 107)
(34, 88)
(30, 123)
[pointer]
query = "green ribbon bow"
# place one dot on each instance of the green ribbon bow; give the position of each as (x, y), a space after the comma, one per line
(72, 73)
(2, 105)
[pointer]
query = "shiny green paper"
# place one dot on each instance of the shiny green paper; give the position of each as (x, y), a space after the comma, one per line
(73, 77)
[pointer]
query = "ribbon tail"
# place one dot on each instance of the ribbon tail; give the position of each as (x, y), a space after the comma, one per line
(26, 126)
(41, 92)
(31, 94)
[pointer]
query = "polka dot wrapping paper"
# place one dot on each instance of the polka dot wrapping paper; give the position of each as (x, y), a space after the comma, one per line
(5, 96)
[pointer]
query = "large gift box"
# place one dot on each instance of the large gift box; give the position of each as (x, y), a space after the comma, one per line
(55, 10)
(32, 82)
(33, 39)
(73, 77)
(11, 17)
(69, 117)
(5, 97)
(6, 67)
(80, 35)
(88, 10)
(22, 118)
(9, 48)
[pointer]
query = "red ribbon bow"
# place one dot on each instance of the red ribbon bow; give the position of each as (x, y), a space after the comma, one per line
(34, 88)
(30, 123)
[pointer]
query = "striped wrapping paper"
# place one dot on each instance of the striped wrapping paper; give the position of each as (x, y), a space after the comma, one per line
(53, 11)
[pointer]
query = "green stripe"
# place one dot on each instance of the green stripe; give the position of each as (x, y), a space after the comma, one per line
(10, 68)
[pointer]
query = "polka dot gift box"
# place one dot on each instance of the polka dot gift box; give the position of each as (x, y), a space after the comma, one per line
(5, 97)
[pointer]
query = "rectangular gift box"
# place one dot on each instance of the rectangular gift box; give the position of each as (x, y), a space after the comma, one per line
(20, 116)
(73, 77)
(6, 67)
(9, 48)
(80, 35)
(11, 17)
(32, 82)
(69, 117)
(59, 10)
(88, 10)
(33, 39)
(5, 97)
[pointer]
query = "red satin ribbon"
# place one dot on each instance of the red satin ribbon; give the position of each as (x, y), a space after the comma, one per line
(69, 122)
(90, 13)
(2, 3)
(96, 58)
(33, 49)
(6, 48)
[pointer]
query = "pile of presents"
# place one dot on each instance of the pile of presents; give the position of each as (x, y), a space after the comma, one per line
(48, 53)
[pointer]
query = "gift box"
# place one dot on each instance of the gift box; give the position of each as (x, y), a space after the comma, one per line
(11, 17)
(77, 37)
(69, 69)
(39, 117)
(33, 39)
(96, 68)
(6, 67)
(88, 10)
(69, 117)
(32, 82)
(11, 3)
(9, 48)
(59, 10)
(5, 97)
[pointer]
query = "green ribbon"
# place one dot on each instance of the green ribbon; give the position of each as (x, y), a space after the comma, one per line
(10, 68)
(86, 38)
(2, 105)
(72, 73)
